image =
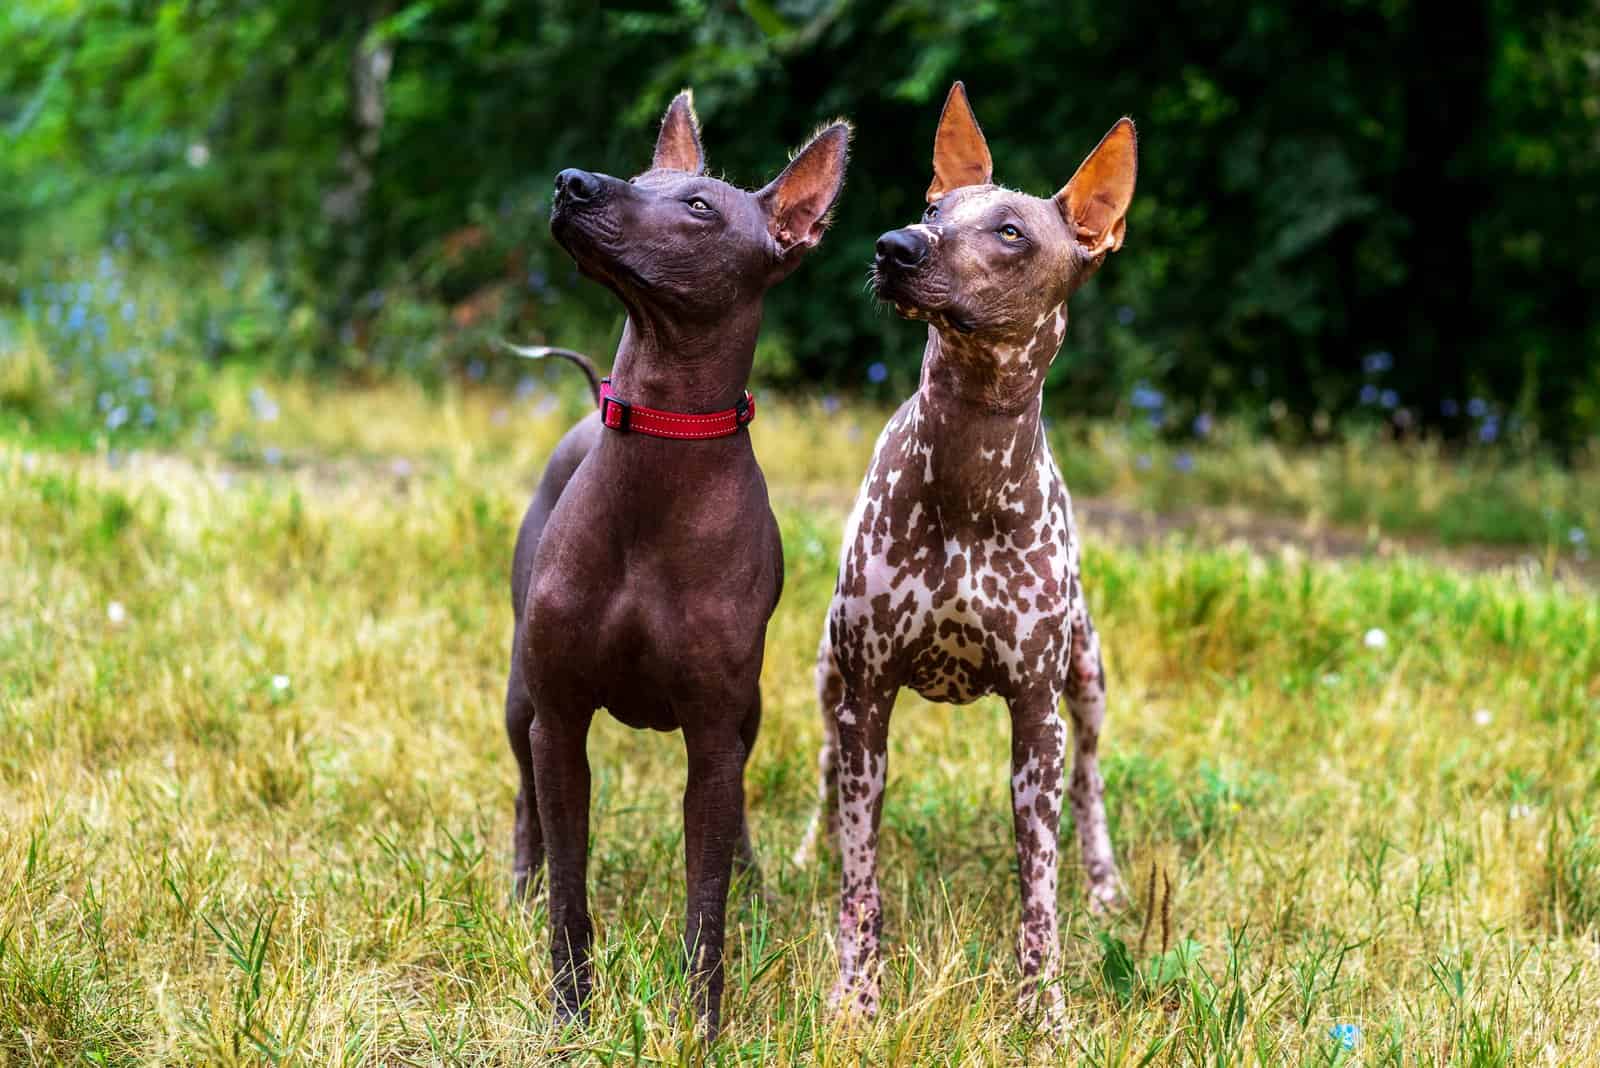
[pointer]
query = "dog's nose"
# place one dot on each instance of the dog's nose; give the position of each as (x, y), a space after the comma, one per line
(577, 185)
(904, 249)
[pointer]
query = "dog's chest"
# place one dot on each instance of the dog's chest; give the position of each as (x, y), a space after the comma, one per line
(957, 600)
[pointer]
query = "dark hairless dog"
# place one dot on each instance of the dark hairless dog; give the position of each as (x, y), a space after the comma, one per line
(649, 561)
(959, 574)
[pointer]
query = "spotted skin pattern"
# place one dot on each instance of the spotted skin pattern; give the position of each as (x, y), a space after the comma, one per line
(959, 574)
(959, 590)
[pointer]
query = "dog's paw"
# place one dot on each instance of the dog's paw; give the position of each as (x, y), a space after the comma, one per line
(1105, 898)
(1043, 1004)
(855, 996)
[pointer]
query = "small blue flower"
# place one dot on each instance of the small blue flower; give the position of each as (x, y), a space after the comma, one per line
(1369, 394)
(1477, 407)
(116, 417)
(877, 372)
(129, 310)
(262, 406)
(77, 317)
(1183, 462)
(1489, 430)
(1347, 1035)
(1202, 425)
(830, 403)
(86, 292)
(1376, 363)
(1576, 536)
(1126, 315)
(526, 387)
(1388, 398)
(1145, 398)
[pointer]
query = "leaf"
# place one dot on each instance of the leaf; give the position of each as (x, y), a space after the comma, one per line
(1117, 968)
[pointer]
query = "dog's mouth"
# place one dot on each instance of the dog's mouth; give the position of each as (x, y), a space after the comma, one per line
(590, 236)
(910, 303)
(911, 300)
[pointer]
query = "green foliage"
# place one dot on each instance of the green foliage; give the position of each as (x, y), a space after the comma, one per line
(1422, 189)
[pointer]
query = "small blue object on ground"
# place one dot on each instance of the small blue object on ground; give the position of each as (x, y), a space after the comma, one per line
(1346, 1034)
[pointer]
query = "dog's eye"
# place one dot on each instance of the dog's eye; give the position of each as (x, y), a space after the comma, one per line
(699, 204)
(1010, 233)
(932, 212)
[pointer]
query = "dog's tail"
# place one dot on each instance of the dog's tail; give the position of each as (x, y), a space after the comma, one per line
(539, 352)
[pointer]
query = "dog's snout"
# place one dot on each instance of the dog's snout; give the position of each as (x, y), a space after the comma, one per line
(903, 249)
(576, 185)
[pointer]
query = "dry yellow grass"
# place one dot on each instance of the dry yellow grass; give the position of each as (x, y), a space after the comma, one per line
(260, 810)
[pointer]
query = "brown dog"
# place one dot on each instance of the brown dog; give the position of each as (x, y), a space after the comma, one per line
(959, 575)
(649, 561)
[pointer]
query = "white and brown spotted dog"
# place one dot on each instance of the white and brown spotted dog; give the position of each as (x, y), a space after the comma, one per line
(959, 575)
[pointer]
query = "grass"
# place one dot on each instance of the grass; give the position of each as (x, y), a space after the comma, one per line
(259, 811)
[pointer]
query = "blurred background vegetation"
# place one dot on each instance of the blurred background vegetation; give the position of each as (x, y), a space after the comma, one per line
(1374, 215)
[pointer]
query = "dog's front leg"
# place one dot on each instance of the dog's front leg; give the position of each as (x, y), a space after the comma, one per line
(862, 722)
(1038, 755)
(1086, 700)
(713, 824)
(561, 768)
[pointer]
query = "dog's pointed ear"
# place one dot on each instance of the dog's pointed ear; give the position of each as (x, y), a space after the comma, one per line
(960, 153)
(1095, 203)
(678, 147)
(798, 200)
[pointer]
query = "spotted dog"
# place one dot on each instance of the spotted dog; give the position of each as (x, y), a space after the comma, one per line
(959, 575)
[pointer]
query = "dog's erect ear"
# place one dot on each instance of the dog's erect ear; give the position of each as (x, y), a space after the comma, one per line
(678, 147)
(960, 154)
(1095, 203)
(797, 201)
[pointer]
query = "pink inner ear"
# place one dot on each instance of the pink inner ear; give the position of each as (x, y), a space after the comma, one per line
(804, 192)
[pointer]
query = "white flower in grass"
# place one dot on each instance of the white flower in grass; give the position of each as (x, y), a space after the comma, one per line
(1521, 810)
(117, 614)
(1375, 638)
(280, 684)
(1483, 717)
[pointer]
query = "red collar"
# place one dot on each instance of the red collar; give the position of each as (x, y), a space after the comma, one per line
(636, 418)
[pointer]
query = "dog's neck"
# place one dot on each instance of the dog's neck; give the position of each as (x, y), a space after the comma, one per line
(1002, 372)
(979, 410)
(687, 369)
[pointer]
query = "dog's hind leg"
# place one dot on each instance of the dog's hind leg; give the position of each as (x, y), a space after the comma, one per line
(744, 853)
(1086, 700)
(1038, 756)
(825, 818)
(527, 841)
